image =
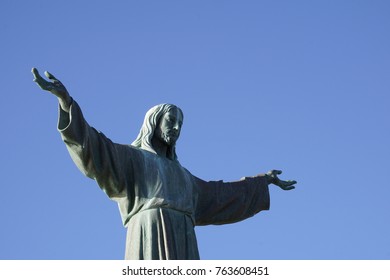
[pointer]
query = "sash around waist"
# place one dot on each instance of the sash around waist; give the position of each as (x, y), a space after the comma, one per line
(163, 209)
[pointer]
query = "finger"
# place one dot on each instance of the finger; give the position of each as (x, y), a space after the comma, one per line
(41, 82)
(288, 183)
(289, 188)
(50, 76)
(276, 172)
(36, 74)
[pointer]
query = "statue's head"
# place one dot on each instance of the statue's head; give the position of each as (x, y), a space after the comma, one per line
(162, 122)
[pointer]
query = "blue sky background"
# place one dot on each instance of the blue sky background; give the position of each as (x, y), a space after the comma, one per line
(301, 86)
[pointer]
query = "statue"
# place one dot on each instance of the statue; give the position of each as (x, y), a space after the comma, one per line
(160, 201)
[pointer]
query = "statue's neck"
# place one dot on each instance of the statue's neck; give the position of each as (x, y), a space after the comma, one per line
(160, 147)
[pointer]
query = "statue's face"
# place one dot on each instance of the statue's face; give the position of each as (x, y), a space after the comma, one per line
(169, 126)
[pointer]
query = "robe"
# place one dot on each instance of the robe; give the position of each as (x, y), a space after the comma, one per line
(160, 201)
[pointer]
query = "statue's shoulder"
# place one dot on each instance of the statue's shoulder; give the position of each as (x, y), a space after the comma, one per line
(139, 152)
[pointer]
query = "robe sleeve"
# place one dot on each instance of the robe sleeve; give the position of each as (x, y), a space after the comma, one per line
(223, 203)
(93, 153)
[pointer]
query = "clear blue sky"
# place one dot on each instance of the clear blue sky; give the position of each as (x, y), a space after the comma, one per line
(301, 86)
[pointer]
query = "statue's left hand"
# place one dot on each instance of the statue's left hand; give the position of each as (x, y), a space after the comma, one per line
(272, 177)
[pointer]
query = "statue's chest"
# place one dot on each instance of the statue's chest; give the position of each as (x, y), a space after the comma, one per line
(167, 180)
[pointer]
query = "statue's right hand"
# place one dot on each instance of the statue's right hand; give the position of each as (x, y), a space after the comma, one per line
(55, 87)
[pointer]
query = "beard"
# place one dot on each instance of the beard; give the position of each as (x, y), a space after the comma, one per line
(168, 137)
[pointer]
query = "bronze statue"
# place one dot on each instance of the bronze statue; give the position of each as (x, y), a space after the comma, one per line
(159, 200)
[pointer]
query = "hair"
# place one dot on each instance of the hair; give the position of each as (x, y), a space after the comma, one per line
(151, 120)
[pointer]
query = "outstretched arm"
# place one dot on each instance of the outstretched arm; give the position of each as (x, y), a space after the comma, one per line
(94, 154)
(55, 87)
(221, 202)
